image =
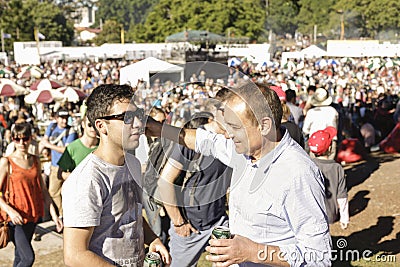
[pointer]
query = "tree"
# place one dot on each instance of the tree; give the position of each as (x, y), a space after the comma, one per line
(243, 18)
(282, 16)
(314, 12)
(124, 12)
(21, 17)
(111, 33)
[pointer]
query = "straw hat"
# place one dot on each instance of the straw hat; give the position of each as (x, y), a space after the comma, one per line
(321, 97)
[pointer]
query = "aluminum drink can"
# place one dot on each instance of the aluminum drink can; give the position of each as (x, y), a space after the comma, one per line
(221, 232)
(152, 259)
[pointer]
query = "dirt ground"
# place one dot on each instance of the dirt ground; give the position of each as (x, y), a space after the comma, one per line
(373, 236)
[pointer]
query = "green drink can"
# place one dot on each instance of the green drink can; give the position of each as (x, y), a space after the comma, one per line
(152, 259)
(221, 232)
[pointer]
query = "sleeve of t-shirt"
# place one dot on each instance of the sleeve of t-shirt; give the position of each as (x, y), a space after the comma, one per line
(82, 198)
(182, 155)
(48, 130)
(66, 162)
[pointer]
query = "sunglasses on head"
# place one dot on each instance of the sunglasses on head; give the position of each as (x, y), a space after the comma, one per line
(128, 117)
(24, 139)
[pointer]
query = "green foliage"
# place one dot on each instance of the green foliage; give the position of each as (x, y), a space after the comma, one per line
(313, 12)
(282, 16)
(20, 17)
(124, 12)
(111, 33)
(362, 18)
(242, 18)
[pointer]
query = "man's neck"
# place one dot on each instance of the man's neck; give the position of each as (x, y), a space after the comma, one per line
(111, 155)
(268, 146)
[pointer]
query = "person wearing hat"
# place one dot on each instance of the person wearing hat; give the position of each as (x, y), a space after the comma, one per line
(321, 116)
(57, 136)
(337, 206)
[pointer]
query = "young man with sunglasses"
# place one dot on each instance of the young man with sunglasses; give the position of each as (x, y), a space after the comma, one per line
(78, 149)
(102, 197)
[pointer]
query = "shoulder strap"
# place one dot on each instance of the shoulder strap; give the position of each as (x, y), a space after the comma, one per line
(60, 137)
(197, 162)
(166, 154)
(53, 126)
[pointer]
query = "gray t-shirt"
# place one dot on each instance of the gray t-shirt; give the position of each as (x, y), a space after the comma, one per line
(109, 198)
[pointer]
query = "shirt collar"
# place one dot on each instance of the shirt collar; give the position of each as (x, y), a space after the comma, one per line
(273, 155)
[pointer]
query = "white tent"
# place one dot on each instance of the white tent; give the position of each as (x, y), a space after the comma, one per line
(145, 68)
(313, 51)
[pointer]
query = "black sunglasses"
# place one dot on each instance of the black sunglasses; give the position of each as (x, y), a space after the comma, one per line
(24, 139)
(128, 117)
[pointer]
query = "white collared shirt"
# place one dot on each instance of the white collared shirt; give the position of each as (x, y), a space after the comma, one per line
(278, 200)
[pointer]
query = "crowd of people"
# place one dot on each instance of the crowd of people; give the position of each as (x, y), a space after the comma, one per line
(257, 124)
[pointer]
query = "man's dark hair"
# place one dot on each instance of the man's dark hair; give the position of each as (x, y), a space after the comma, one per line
(198, 119)
(103, 97)
(261, 102)
(311, 88)
(222, 95)
(290, 95)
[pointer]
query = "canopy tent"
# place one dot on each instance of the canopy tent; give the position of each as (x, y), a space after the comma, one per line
(195, 36)
(313, 51)
(146, 68)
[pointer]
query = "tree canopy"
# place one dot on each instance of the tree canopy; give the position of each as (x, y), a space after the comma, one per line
(19, 18)
(154, 20)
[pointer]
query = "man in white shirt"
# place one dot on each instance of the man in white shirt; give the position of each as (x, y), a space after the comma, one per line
(276, 202)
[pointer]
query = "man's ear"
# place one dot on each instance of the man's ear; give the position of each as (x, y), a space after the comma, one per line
(101, 126)
(266, 126)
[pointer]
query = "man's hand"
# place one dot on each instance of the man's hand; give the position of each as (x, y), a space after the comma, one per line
(231, 251)
(185, 230)
(44, 142)
(157, 246)
(59, 224)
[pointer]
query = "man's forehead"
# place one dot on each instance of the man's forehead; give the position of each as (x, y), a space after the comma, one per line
(236, 105)
(123, 105)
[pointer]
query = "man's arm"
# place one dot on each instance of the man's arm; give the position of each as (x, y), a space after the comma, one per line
(186, 137)
(76, 248)
(168, 176)
(46, 143)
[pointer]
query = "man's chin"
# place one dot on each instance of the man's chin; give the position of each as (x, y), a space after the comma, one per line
(131, 145)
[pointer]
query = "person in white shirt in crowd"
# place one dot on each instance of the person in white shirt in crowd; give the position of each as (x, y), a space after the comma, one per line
(321, 116)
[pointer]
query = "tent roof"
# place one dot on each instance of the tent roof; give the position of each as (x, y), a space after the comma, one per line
(313, 51)
(195, 36)
(153, 65)
(141, 70)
